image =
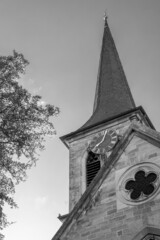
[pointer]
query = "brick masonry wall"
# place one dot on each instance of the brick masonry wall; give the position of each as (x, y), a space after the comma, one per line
(105, 219)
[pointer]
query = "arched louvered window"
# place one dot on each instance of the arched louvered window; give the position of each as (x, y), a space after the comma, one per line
(93, 165)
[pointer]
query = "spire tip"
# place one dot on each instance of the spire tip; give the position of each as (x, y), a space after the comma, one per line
(105, 16)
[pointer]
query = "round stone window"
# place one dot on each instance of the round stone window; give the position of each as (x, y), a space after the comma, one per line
(139, 183)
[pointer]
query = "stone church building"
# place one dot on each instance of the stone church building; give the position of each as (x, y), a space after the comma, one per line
(114, 176)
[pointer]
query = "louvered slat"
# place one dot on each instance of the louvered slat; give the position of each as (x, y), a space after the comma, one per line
(92, 169)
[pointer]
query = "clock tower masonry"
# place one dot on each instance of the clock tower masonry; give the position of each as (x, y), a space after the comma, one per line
(114, 163)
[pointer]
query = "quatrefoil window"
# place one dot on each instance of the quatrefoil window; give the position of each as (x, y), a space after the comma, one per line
(143, 184)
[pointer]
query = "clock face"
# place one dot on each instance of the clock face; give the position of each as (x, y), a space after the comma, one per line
(104, 142)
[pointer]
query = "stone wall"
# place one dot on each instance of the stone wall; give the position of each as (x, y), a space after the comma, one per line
(77, 161)
(110, 218)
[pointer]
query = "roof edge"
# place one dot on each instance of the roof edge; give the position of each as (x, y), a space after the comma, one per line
(108, 121)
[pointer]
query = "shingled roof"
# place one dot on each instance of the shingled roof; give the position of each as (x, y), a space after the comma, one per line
(113, 95)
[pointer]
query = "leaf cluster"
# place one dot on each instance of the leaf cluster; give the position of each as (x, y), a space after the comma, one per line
(24, 124)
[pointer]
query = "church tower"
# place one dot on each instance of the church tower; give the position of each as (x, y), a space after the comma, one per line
(114, 163)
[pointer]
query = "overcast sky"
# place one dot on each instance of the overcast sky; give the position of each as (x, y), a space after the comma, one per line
(62, 41)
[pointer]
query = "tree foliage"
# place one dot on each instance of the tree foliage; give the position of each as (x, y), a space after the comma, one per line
(24, 124)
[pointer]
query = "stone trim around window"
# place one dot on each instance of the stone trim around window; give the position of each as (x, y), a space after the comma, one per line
(139, 183)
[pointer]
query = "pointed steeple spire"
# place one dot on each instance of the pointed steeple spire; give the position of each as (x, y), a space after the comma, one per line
(113, 95)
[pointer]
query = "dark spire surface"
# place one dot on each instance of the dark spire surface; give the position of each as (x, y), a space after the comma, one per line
(113, 95)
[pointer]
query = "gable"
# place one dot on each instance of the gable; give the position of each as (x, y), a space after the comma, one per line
(143, 158)
(106, 217)
(138, 155)
(101, 213)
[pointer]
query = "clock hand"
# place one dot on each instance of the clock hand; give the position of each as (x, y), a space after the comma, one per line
(101, 140)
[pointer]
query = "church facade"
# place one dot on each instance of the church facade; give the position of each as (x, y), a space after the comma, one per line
(114, 176)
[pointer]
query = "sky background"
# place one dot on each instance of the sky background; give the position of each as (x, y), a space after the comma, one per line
(62, 41)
